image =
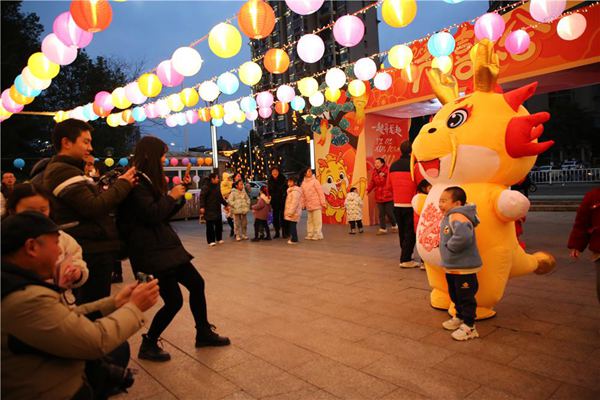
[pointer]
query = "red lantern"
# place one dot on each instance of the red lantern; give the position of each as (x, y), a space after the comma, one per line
(91, 15)
(256, 19)
(281, 108)
(276, 61)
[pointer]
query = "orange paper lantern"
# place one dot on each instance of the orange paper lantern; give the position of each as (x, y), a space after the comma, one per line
(101, 112)
(208, 161)
(204, 114)
(276, 61)
(127, 116)
(91, 15)
(281, 108)
(256, 19)
(201, 161)
(18, 97)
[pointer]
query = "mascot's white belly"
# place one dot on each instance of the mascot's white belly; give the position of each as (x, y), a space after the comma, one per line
(428, 229)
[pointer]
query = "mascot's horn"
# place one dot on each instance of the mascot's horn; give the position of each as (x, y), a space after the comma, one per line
(515, 98)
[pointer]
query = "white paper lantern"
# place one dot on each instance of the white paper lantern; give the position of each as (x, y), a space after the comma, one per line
(209, 91)
(162, 107)
(33, 81)
(285, 93)
(546, 10)
(252, 115)
(231, 107)
(310, 48)
(186, 61)
(365, 69)
(316, 99)
(229, 118)
(248, 104)
(382, 81)
(335, 78)
(571, 27)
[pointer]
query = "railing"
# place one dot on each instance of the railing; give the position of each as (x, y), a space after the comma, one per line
(586, 175)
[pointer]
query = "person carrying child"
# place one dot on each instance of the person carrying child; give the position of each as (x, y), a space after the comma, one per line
(354, 206)
(461, 260)
(239, 201)
(261, 213)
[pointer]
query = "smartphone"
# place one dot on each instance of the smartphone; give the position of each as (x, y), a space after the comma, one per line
(143, 278)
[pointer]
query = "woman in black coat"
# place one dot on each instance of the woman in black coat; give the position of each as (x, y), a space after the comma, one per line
(277, 186)
(154, 248)
(211, 200)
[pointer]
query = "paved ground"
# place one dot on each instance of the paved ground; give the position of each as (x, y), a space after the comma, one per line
(562, 191)
(339, 319)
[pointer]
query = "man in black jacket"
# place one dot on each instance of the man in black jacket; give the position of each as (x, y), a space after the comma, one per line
(211, 200)
(277, 186)
(77, 198)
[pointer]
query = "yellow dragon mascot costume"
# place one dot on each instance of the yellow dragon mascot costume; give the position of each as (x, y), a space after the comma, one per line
(484, 142)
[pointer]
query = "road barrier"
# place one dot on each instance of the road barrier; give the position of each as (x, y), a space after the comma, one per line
(585, 175)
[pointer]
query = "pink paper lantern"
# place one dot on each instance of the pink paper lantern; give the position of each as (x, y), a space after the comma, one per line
(310, 48)
(176, 180)
(348, 30)
(167, 179)
(171, 122)
(134, 94)
(546, 10)
(69, 33)
(252, 115)
(304, 7)
(264, 99)
(167, 75)
(103, 100)
(150, 110)
(265, 112)
(191, 117)
(174, 161)
(285, 93)
(489, 26)
(9, 104)
(517, 42)
(57, 51)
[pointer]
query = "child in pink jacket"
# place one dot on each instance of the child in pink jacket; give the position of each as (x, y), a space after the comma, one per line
(293, 209)
(313, 200)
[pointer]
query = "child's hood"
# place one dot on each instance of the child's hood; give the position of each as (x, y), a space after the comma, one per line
(265, 198)
(295, 189)
(469, 211)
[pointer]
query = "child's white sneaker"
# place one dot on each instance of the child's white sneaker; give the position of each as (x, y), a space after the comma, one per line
(290, 242)
(381, 231)
(464, 333)
(394, 228)
(212, 244)
(452, 324)
(221, 241)
(409, 264)
(309, 237)
(238, 238)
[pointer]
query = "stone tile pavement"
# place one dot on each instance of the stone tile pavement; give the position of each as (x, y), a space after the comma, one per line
(339, 319)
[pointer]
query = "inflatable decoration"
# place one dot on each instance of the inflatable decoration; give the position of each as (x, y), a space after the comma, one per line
(484, 142)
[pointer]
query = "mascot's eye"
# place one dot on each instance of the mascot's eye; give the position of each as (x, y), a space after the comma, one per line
(329, 179)
(457, 118)
(342, 176)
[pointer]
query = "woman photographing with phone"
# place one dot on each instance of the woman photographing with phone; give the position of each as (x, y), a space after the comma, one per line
(154, 248)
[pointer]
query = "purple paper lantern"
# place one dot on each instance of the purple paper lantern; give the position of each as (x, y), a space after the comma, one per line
(264, 99)
(348, 30)
(265, 112)
(167, 75)
(517, 42)
(304, 7)
(546, 10)
(185, 161)
(489, 26)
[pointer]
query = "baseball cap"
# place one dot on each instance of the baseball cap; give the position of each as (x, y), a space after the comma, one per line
(18, 228)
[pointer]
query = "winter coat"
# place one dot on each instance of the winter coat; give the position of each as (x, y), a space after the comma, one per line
(293, 204)
(211, 200)
(586, 229)
(403, 187)
(458, 247)
(226, 185)
(45, 344)
(277, 190)
(313, 197)
(262, 208)
(151, 243)
(354, 206)
(70, 248)
(239, 202)
(380, 182)
(77, 198)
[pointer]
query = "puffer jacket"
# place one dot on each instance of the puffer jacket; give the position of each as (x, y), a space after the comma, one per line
(458, 245)
(262, 208)
(293, 204)
(403, 187)
(354, 206)
(380, 182)
(586, 230)
(226, 185)
(313, 197)
(239, 201)
(211, 200)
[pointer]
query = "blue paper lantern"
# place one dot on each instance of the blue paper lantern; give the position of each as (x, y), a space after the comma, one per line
(138, 113)
(248, 104)
(19, 163)
(194, 161)
(88, 112)
(123, 162)
(298, 103)
(24, 89)
(166, 162)
(441, 44)
(217, 122)
(228, 83)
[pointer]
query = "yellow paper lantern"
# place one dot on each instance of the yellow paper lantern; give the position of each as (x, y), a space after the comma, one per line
(174, 102)
(109, 162)
(217, 111)
(60, 116)
(41, 67)
(189, 97)
(357, 88)
(18, 97)
(188, 196)
(149, 85)
(113, 120)
(250, 73)
(225, 40)
(400, 56)
(443, 63)
(398, 13)
(308, 86)
(332, 94)
(119, 99)
(4, 113)
(240, 117)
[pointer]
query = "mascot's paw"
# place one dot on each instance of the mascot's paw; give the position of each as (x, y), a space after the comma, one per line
(482, 312)
(546, 262)
(439, 299)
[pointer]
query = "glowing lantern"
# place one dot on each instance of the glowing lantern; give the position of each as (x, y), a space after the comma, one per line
(208, 161)
(517, 42)
(546, 10)
(91, 15)
(209, 91)
(225, 40)
(134, 94)
(489, 26)
(441, 44)
(316, 99)
(189, 97)
(228, 83)
(57, 52)
(88, 112)
(229, 119)
(60, 116)
(217, 112)
(281, 108)
(171, 122)
(365, 69)
(149, 85)
(101, 111)
(400, 56)
(231, 107)
(250, 73)
(18, 97)
(382, 81)
(24, 89)
(308, 86)
(285, 93)
(252, 115)
(348, 30)
(256, 19)
(162, 107)
(204, 114)
(77, 113)
(248, 104)
(265, 112)
(443, 63)
(264, 99)
(174, 162)
(186, 61)
(310, 48)
(113, 121)
(167, 74)
(241, 117)
(357, 88)
(453, 1)
(104, 99)
(335, 78)
(9, 104)
(298, 103)
(33, 81)
(398, 13)
(217, 122)
(200, 161)
(181, 119)
(65, 28)
(138, 114)
(276, 61)
(19, 163)
(41, 67)
(333, 94)
(127, 116)
(174, 102)
(119, 98)
(150, 110)
(304, 7)
(571, 27)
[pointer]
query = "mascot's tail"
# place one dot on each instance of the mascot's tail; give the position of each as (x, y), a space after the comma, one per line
(539, 263)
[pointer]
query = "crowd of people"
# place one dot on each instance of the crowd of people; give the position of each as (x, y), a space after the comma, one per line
(65, 230)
